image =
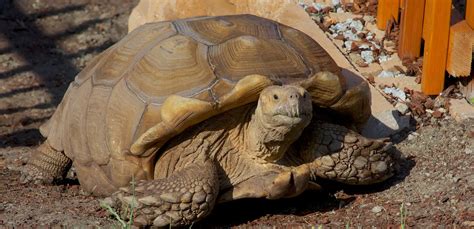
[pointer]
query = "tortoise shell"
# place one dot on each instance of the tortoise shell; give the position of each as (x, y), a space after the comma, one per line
(119, 96)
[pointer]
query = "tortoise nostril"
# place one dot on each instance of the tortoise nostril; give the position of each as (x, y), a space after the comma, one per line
(275, 97)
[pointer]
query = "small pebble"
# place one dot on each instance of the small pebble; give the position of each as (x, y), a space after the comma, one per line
(395, 92)
(357, 25)
(383, 58)
(386, 74)
(468, 223)
(411, 137)
(402, 108)
(368, 56)
(376, 209)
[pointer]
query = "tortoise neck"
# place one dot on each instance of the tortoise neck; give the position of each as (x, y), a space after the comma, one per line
(263, 141)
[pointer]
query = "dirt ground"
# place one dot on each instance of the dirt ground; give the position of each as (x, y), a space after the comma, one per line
(45, 43)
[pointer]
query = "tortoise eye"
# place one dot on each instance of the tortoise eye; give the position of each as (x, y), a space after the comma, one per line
(275, 97)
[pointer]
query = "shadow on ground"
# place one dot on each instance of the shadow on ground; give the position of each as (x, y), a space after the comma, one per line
(43, 46)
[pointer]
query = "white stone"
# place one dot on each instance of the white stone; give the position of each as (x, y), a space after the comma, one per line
(368, 56)
(383, 58)
(386, 74)
(349, 35)
(395, 92)
(339, 27)
(336, 2)
(411, 137)
(319, 6)
(402, 107)
(357, 25)
(376, 209)
(348, 45)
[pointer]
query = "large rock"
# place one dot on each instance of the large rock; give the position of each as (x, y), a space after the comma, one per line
(162, 10)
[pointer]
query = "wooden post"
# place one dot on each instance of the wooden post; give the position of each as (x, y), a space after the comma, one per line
(411, 28)
(436, 46)
(470, 12)
(461, 40)
(386, 10)
(427, 21)
(395, 10)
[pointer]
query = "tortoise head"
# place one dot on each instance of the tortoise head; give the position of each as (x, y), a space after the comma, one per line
(281, 115)
(285, 106)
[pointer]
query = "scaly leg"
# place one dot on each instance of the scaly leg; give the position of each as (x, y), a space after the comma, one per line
(181, 199)
(337, 153)
(46, 165)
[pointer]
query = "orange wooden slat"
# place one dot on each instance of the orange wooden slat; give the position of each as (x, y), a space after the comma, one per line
(436, 46)
(411, 28)
(470, 13)
(460, 49)
(387, 9)
(427, 22)
(395, 9)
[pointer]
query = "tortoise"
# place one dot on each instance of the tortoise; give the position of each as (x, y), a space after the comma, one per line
(206, 110)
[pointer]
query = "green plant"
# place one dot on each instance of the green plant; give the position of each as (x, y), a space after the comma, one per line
(471, 100)
(402, 216)
(131, 207)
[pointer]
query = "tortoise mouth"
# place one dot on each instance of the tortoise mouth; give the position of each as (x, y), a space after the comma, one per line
(292, 118)
(292, 111)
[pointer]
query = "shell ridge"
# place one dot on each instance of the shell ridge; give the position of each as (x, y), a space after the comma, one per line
(134, 135)
(139, 56)
(86, 112)
(135, 127)
(304, 60)
(108, 53)
(106, 115)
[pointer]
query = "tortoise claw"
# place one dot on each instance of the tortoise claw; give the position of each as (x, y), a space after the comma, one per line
(290, 183)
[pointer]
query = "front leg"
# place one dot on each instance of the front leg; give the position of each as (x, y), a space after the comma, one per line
(336, 153)
(184, 197)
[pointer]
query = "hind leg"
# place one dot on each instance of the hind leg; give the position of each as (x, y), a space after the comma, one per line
(45, 166)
